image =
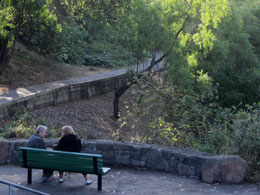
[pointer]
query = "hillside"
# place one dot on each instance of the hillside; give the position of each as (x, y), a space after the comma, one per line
(89, 119)
(28, 68)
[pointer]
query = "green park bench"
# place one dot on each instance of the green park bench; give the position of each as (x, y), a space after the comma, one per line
(33, 158)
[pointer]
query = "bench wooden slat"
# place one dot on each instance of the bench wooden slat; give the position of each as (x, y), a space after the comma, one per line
(59, 167)
(63, 160)
(59, 152)
(68, 162)
(54, 154)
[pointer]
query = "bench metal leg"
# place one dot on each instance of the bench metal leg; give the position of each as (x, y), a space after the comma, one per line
(29, 179)
(99, 182)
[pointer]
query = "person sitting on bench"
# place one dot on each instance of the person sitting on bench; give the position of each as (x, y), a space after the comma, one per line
(70, 143)
(36, 141)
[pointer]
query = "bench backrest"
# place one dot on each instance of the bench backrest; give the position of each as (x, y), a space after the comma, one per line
(60, 161)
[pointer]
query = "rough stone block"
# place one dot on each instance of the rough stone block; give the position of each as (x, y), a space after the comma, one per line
(145, 151)
(88, 150)
(224, 168)
(4, 145)
(186, 170)
(108, 155)
(89, 144)
(123, 160)
(173, 163)
(20, 143)
(135, 155)
(122, 147)
(138, 163)
(15, 157)
(195, 161)
(155, 160)
(104, 145)
(167, 154)
(122, 153)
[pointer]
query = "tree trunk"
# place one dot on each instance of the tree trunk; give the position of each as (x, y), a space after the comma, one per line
(119, 92)
(117, 95)
(3, 54)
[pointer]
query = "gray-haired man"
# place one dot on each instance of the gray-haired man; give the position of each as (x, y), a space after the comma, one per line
(36, 141)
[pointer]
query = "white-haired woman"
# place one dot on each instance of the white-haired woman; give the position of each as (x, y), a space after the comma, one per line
(70, 143)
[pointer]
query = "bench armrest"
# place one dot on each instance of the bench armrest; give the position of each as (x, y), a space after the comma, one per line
(105, 170)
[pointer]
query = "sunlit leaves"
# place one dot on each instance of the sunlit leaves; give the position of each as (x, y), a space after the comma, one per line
(6, 18)
(202, 16)
(16, 14)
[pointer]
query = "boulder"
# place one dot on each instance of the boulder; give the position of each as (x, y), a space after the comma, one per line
(4, 145)
(224, 169)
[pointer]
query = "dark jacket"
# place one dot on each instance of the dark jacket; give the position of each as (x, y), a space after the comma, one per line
(36, 141)
(70, 143)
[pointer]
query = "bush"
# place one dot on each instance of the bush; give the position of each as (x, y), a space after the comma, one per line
(70, 45)
(235, 132)
(97, 60)
(23, 125)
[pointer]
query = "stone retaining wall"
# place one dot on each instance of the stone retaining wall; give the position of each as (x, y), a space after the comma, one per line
(63, 93)
(211, 169)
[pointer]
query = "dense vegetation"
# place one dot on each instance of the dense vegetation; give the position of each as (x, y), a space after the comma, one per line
(206, 96)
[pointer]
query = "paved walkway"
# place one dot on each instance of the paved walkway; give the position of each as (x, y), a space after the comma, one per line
(127, 181)
(15, 94)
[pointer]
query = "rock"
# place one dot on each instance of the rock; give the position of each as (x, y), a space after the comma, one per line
(155, 160)
(186, 170)
(3, 151)
(224, 169)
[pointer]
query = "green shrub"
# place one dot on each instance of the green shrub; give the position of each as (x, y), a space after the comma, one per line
(71, 43)
(23, 125)
(97, 60)
(234, 132)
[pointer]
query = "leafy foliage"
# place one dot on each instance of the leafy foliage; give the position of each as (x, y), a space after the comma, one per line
(23, 125)
(234, 63)
(19, 16)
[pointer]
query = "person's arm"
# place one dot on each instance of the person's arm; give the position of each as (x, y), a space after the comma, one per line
(80, 145)
(60, 145)
(40, 144)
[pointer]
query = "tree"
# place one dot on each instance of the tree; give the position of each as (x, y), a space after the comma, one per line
(234, 62)
(15, 17)
(179, 30)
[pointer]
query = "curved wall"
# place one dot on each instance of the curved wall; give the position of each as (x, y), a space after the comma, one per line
(211, 169)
